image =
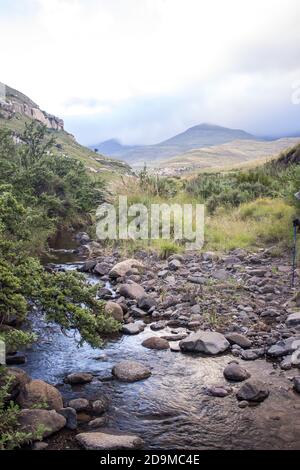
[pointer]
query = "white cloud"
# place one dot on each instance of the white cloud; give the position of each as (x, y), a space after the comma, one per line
(93, 57)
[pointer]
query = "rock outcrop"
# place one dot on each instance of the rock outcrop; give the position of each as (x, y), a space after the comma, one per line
(14, 103)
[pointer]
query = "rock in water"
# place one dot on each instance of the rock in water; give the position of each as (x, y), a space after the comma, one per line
(79, 378)
(207, 342)
(100, 406)
(31, 420)
(71, 417)
(253, 390)
(133, 328)
(38, 392)
(155, 342)
(132, 291)
(235, 372)
(120, 269)
(130, 371)
(105, 441)
(115, 310)
(79, 404)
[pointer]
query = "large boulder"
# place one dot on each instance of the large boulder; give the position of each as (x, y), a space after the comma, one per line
(132, 291)
(155, 342)
(115, 310)
(38, 393)
(206, 342)
(105, 441)
(253, 390)
(122, 268)
(32, 420)
(235, 372)
(130, 371)
(79, 378)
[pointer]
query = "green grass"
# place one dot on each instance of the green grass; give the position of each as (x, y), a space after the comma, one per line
(108, 168)
(252, 225)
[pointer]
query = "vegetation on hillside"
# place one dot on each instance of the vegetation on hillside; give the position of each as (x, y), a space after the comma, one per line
(247, 208)
(39, 193)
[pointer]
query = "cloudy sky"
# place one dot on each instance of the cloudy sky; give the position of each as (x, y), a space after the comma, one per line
(143, 70)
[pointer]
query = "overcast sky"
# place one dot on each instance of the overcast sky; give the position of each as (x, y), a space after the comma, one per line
(143, 70)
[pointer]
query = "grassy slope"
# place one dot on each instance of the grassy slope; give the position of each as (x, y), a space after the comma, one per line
(230, 155)
(108, 167)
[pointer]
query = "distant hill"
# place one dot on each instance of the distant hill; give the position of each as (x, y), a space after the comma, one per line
(203, 135)
(227, 155)
(114, 148)
(16, 109)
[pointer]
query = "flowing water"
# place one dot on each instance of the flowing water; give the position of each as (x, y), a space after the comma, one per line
(170, 409)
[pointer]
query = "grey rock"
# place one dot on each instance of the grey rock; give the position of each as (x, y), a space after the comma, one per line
(79, 404)
(155, 342)
(71, 417)
(132, 291)
(147, 302)
(31, 420)
(196, 309)
(160, 325)
(133, 328)
(220, 275)
(115, 310)
(98, 422)
(252, 354)
(293, 319)
(218, 391)
(130, 371)
(235, 372)
(296, 381)
(101, 268)
(253, 391)
(122, 268)
(39, 393)
(105, 441)
(240, 340)
(79, 378)
(174, 265)
(100, 406)
(206, 342)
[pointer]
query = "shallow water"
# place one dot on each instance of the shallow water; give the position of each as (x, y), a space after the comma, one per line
(171, 409)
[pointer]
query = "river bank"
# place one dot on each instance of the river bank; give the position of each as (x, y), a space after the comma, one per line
(186, 402)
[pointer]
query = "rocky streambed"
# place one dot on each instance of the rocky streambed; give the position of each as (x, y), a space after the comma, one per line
(208, 357)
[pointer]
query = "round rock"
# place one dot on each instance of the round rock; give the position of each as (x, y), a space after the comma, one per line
(155, 342)
(235, 372)
(130, 371)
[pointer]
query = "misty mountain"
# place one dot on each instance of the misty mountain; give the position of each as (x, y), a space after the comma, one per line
(203, 135)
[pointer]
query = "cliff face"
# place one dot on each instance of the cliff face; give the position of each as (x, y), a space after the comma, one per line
(14, 102)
